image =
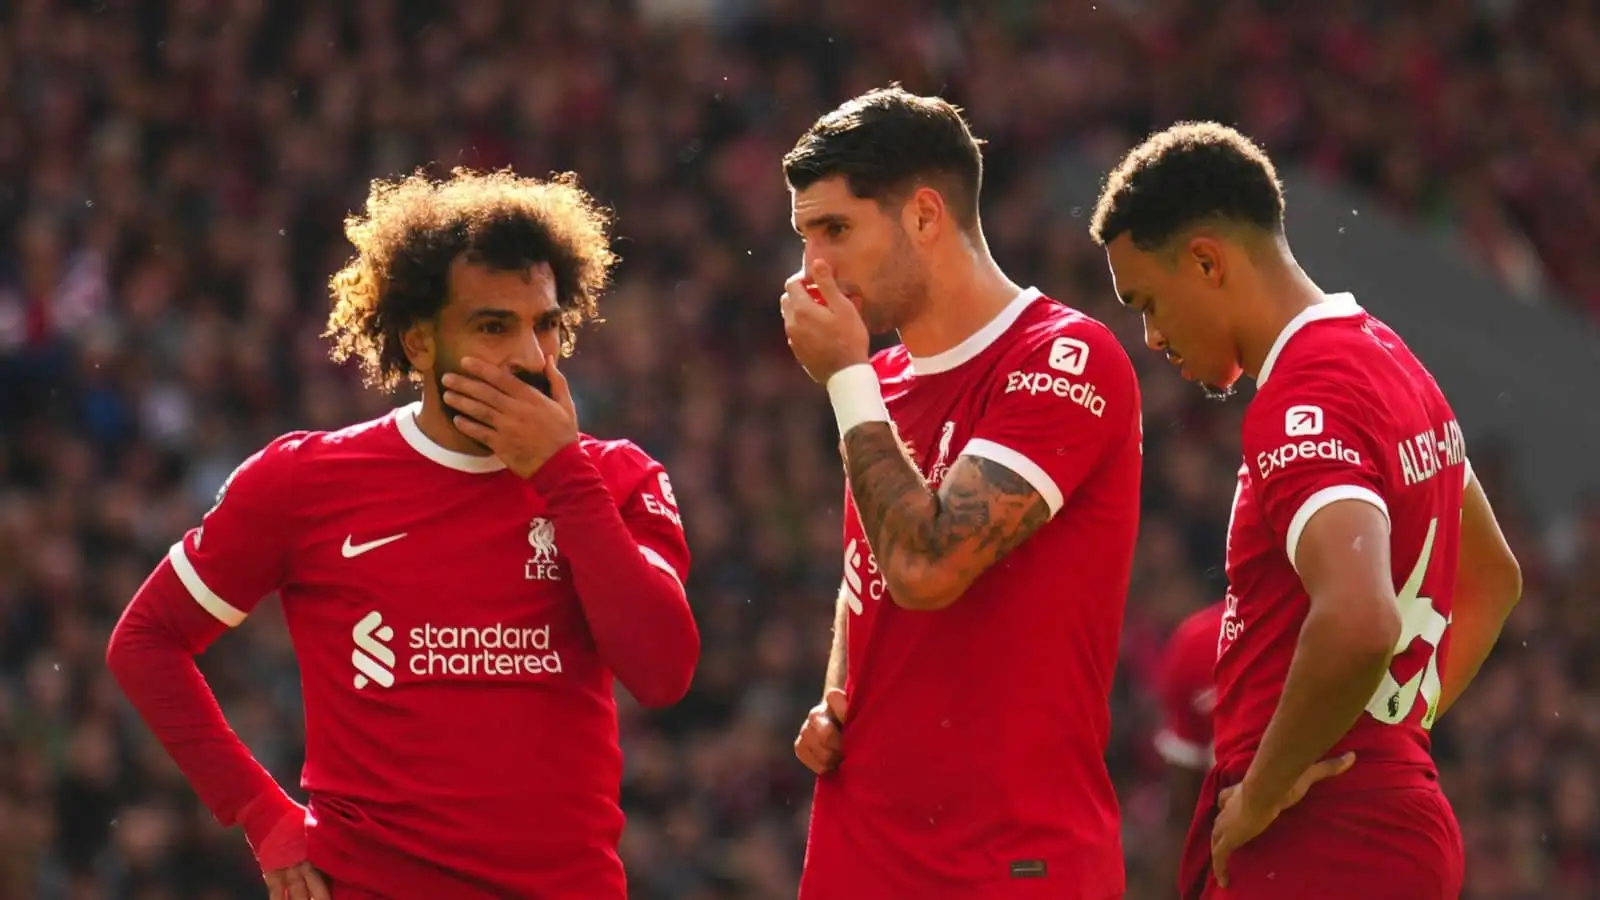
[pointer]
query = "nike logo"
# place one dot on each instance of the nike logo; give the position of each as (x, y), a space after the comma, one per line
(351, 551)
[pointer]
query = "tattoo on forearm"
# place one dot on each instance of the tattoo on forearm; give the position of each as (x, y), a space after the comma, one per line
(982, 511)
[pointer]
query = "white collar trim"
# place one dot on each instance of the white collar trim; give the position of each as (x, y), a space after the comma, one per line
(405, 419)
(1333, 306)
(979, 340)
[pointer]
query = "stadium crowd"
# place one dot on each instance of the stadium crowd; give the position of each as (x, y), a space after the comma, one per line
(173, 177)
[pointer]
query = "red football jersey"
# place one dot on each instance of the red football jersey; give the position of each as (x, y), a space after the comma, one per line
(1188, 690)
(1343, 411)
(461, 734)
(974, 753)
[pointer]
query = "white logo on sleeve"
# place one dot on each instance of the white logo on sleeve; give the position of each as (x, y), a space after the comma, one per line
(1302, 421)
(1069, 355)
(351, 551)
(665, 506)
(373, 659)
(1079, 392)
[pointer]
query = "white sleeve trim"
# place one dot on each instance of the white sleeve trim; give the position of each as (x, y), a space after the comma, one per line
(1182, 753)
(1315, 503)
(660, 562)
(1023, 466)
(1467, 475)
(225, 612)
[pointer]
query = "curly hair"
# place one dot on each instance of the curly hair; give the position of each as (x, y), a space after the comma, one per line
(415, 227)
(1186, 173)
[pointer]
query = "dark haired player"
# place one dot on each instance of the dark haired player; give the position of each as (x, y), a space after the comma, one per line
(462, 578)
(962, 736)
(1368, 578)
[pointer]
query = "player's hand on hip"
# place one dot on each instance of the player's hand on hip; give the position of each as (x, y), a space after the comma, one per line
(819, 745)
(300, 881)
(825, 336)
(522, 426)
(1241, 818)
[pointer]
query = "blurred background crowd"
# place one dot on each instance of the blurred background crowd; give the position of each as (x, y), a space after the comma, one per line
(173, 176)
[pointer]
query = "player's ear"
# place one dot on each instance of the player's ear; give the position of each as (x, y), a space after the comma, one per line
(420, 343)
(1205, 255)
(925, 213)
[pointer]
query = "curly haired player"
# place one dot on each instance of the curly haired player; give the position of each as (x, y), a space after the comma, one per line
(462, 577)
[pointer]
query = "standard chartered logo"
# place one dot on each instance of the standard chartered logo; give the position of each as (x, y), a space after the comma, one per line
(446, 651)
(373, 659)
(861, 580)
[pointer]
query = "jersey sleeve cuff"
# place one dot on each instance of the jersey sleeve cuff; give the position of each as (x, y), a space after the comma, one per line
(1025, 468)
(222, 610)
(1322, 498)
(1183, 753)
(1467, 474)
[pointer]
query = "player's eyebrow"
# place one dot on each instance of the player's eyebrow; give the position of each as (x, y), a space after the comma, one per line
(500, 314)
(823, 221)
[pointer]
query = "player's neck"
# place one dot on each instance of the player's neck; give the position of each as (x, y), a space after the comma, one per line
(960, 303)
(435, 425)
(1286, 293)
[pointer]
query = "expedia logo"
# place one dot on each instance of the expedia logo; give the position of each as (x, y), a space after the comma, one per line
(1332, 450)
(1079, 392)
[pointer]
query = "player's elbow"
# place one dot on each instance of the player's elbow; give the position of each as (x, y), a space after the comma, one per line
(1499, 578)
(668, 681)
(1365, 630)
(1372, 637)
(117, 653)
(923, 588)
(662, 691)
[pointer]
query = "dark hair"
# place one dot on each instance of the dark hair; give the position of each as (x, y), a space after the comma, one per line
(1189, 172)
(888, 141)
(414, 229)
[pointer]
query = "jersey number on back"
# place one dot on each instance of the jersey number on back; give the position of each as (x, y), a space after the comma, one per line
(1393, 701)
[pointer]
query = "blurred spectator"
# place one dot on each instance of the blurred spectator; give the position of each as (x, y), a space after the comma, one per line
(172, 179)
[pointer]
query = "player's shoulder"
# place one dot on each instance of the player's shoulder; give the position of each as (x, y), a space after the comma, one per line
(1051, 326)
(1332, 347)
(302, 453)
(314, 447)
(621, 462)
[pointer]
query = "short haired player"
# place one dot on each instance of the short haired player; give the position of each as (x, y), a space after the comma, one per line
(993, 462)
(1368, 578)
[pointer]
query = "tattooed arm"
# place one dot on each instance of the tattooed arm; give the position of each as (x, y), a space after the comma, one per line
(932, 547)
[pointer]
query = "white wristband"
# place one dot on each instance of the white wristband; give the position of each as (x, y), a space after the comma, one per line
(856, 397)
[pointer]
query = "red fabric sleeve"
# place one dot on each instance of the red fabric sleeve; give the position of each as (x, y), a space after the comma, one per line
(210, 581)
(1308, 443)
(151, 654)
(1067, 400)
(628, 570)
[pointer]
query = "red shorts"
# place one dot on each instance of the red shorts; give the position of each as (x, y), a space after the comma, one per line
(1398, 843)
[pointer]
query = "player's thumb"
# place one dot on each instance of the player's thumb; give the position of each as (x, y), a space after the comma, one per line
(1328, 768)
(838, 704)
